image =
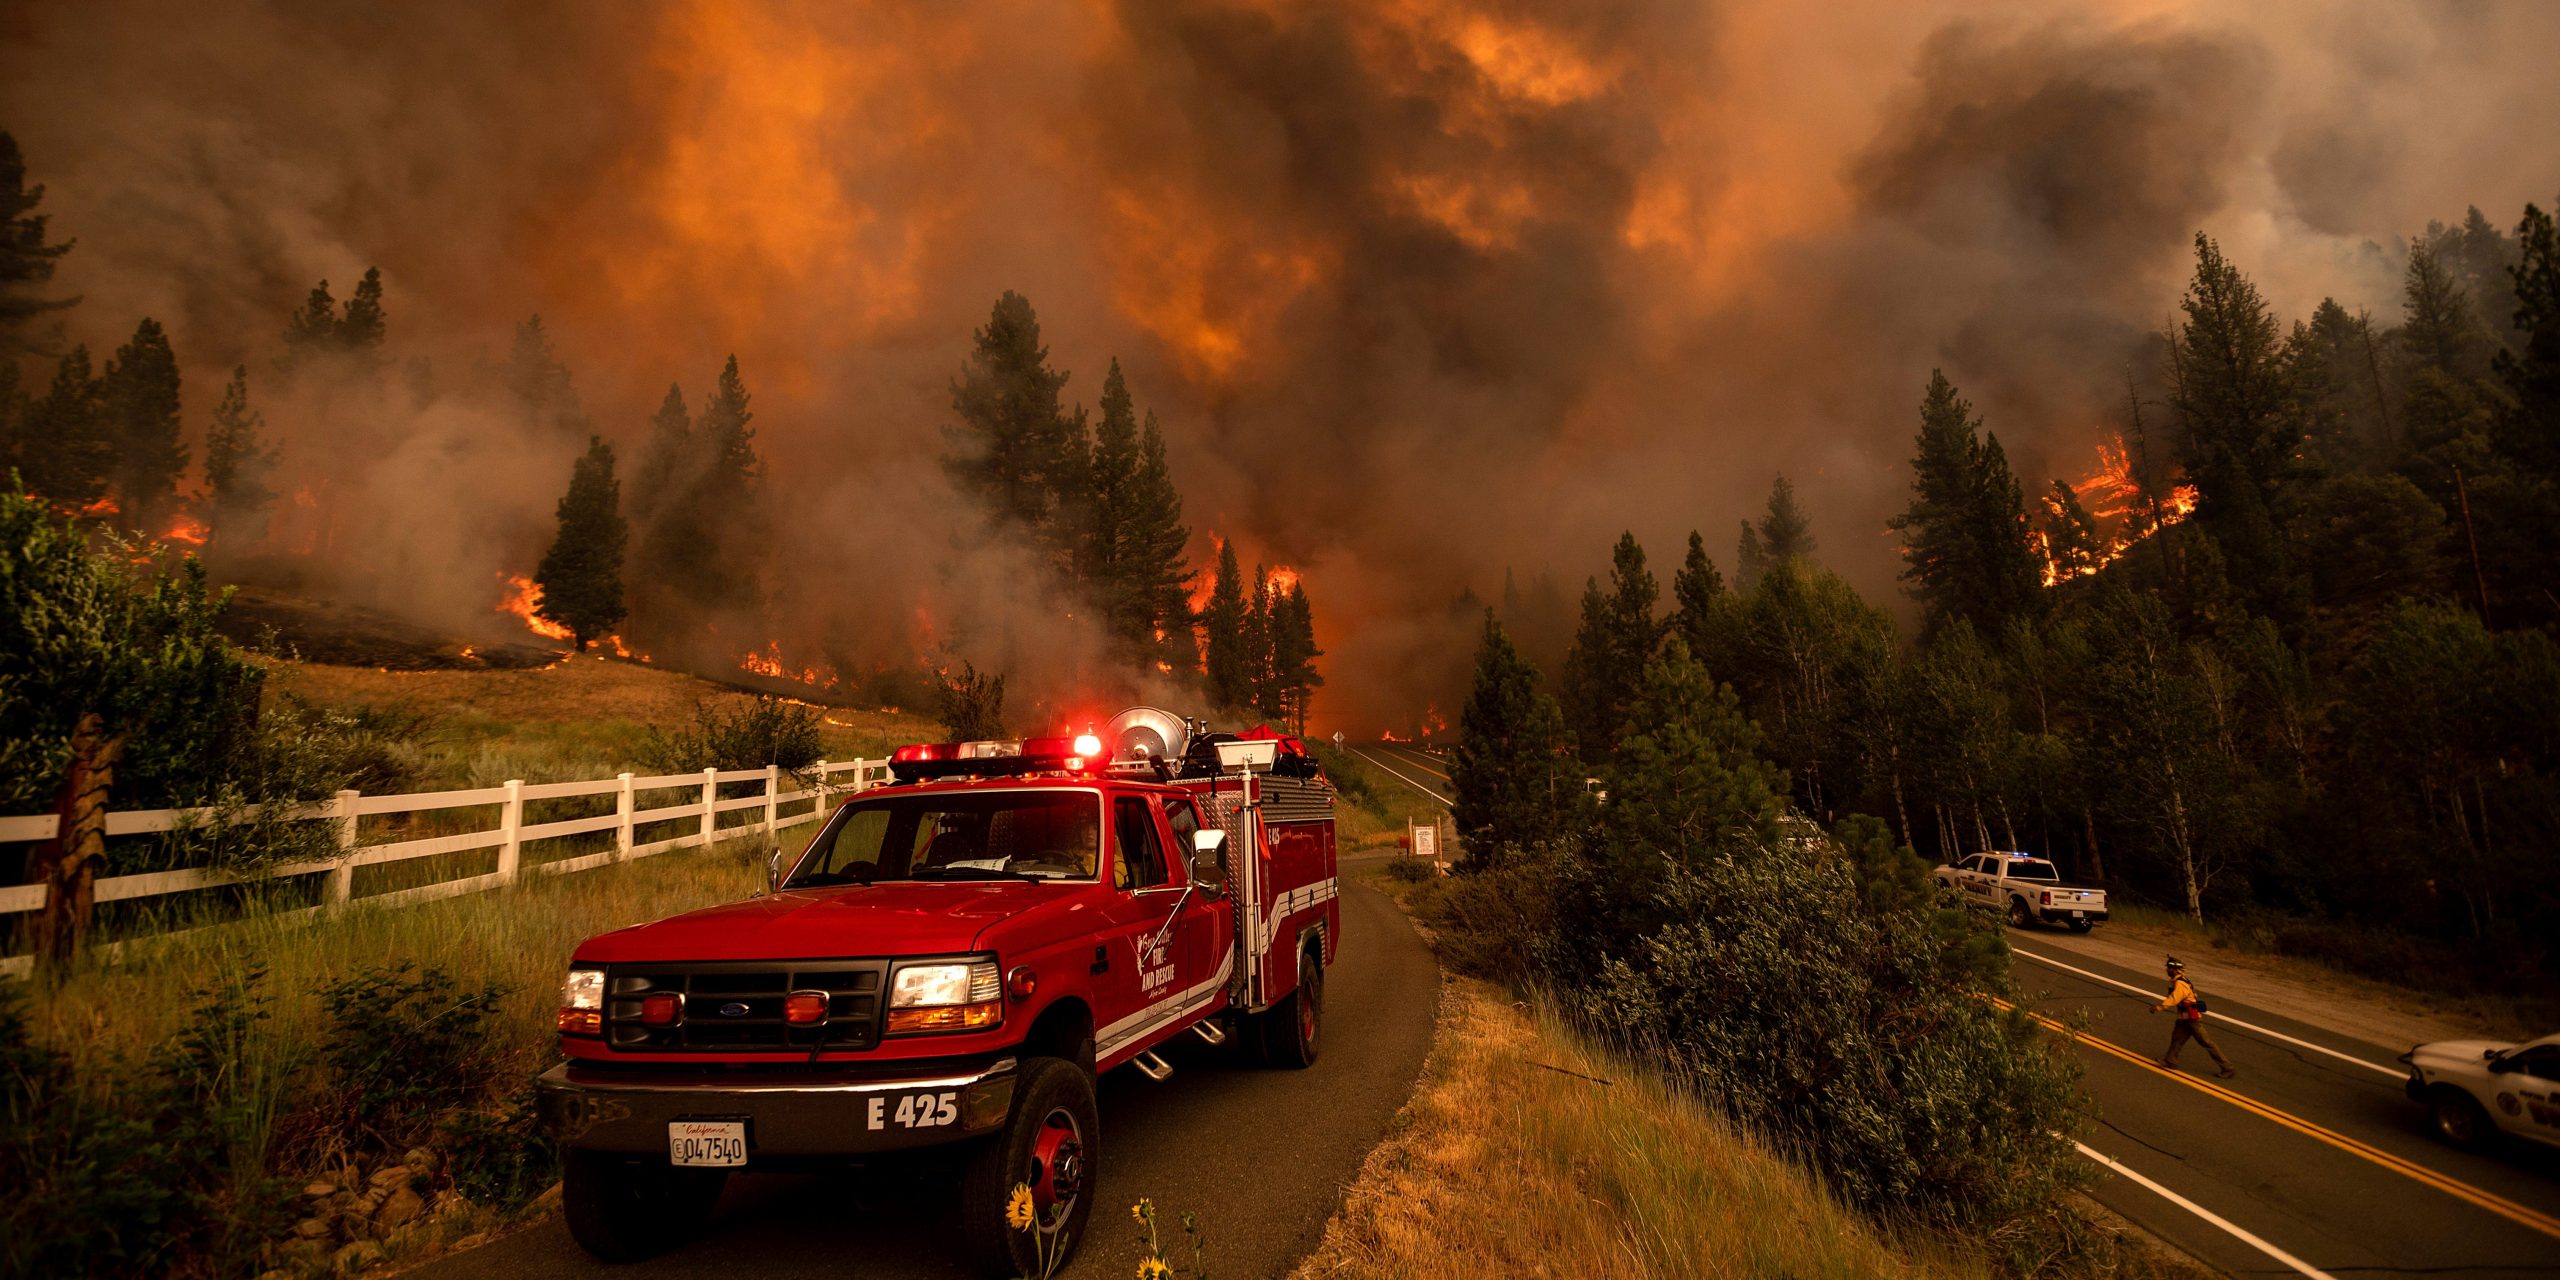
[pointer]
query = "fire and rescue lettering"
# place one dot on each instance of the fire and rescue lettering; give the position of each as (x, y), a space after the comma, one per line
(1155, 970)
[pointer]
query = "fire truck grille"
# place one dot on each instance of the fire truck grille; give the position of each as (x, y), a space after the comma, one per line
(737, 1006)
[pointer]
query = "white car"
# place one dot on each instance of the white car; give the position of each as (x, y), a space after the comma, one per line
(2478, 1089)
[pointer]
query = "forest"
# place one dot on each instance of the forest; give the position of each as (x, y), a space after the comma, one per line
(2287, 665)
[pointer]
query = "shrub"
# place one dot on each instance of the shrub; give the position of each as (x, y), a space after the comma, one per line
(501, 1157)
(401, 1045)
(138, 1173)
(1411, 870)
(763, 730)
(971, 703)
(1845, 1032)
(1497, 922)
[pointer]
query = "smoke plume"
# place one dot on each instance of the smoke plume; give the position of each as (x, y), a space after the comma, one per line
(1420, 290)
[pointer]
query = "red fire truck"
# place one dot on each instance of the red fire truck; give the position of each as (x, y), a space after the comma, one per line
(943, 972)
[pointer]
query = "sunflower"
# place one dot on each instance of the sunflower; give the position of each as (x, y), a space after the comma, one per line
(1153, 1268)
(1141, 1211)
(1017, 1208)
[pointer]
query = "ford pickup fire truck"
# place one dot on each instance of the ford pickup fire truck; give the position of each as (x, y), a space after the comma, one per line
(945, 969)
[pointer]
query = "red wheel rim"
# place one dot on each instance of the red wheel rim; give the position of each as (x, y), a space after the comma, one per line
(1057, 1168)
(1307, 1012)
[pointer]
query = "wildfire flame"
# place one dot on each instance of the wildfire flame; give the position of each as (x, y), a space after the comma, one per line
(2112, 492)
(621, 650)
(1283, 578)
(523, 602)
(1433, 722)
(188, 530)
(770, 665)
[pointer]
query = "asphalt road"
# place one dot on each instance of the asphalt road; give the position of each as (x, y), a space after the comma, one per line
(1261, 1155)
(2313, 1149)
(1413, 766)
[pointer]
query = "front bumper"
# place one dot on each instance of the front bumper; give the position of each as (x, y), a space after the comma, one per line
(785, 1117)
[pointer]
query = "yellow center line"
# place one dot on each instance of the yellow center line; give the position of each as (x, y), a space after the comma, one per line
(2491, 1201)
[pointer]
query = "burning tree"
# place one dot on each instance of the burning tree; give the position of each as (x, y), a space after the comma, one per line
(581, 575)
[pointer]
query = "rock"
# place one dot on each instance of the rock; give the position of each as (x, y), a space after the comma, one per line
(387, 1177)
(277, 1274)
(472, 1241)
(399, 1208)
(549, 1199)
(448, 1204)
(356, 1257)
(315, 1228)
(321, 1190)
(308, 1254)
(420, 1160)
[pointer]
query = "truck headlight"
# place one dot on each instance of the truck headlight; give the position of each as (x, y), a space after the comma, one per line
(959, 996)
(582, 1002)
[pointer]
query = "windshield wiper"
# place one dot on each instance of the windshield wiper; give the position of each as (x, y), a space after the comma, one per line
(966, 873)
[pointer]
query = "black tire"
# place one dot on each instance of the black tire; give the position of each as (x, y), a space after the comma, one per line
(2082, 926)
(1053, 1112)
(2459, 1120)
(625, 1208)
(1292, 1030)
(2019, 916)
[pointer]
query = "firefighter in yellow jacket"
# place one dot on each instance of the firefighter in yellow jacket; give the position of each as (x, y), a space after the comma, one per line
(2190, 1024)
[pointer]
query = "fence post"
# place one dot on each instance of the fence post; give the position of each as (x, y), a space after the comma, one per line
(710, 794)
(820, 813)
(622, 820)
(509, 823)
(772, 796)
(342, 877)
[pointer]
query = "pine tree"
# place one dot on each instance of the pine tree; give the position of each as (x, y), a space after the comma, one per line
(1750, 558)
(669, 455)
(540, 384)
(310, 334)
(1110, 501)
(1967, 554)
(1013, 448)
(1698, 601)
(65, 453)
(1784, 531)
(2238, 419)
(1514, 783)
(581, 575)
(2530, 431)
(138, 398)
(2440, 330)
(2072, 543)
(1263, 695)
(236, 465)
(1229, 658)
(1689, 779)
(724, 497)
(1156, 569)
(26, 260)
(361, 330)
(1294, 676)
(1617, 638)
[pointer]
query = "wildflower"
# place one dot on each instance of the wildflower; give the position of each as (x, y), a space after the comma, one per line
(1017, 1209)
(1141, 1211)
(1154, 1268)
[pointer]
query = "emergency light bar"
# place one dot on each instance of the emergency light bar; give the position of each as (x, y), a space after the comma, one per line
(995, 757)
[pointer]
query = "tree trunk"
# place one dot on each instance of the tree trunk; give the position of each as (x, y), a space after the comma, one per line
(68, 864)
(2007, 824)
(2097, 865)
(1901, 814)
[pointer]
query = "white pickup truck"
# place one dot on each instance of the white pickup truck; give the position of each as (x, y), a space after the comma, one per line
(2024, 888)
(2479, 1089)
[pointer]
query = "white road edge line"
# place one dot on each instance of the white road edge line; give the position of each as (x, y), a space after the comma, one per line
(2207, 1214)
(2393, 1072)
(1407, 781)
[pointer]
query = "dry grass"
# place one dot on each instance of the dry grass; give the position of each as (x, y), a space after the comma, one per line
(584, 717)
(1514, 1160)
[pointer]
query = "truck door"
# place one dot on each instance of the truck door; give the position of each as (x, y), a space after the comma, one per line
(1208, 923)
(1142, 916)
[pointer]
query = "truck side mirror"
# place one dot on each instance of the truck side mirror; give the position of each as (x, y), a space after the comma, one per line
(773, 871)
(1205, 847)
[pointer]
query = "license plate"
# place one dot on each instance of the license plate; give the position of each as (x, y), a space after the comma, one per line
(2079, 915)
(717, 1144)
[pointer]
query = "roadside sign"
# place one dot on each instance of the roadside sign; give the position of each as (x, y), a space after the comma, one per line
(1426, 842)
(1337, 739)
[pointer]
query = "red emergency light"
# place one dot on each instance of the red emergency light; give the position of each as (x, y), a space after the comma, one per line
(1078, 754)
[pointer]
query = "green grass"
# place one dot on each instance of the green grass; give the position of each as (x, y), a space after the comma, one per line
(1374, 807)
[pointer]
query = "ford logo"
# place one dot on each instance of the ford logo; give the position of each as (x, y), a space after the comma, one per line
(733, 1009)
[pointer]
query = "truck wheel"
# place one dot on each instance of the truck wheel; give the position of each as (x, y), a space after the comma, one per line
(626, 1208)
(1291, 1027)
(2081, 926)
(1049, 1146)
(2460, 1121)
(2019, 916)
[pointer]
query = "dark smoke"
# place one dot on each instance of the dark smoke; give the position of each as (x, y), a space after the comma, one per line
(1420, 291)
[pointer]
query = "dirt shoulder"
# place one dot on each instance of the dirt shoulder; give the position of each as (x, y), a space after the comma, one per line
(2376, 1013)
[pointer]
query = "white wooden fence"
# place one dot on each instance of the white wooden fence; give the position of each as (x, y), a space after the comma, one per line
(348, 809)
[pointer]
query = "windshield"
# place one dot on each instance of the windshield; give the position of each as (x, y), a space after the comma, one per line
(2022, 870)
(971, 835)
